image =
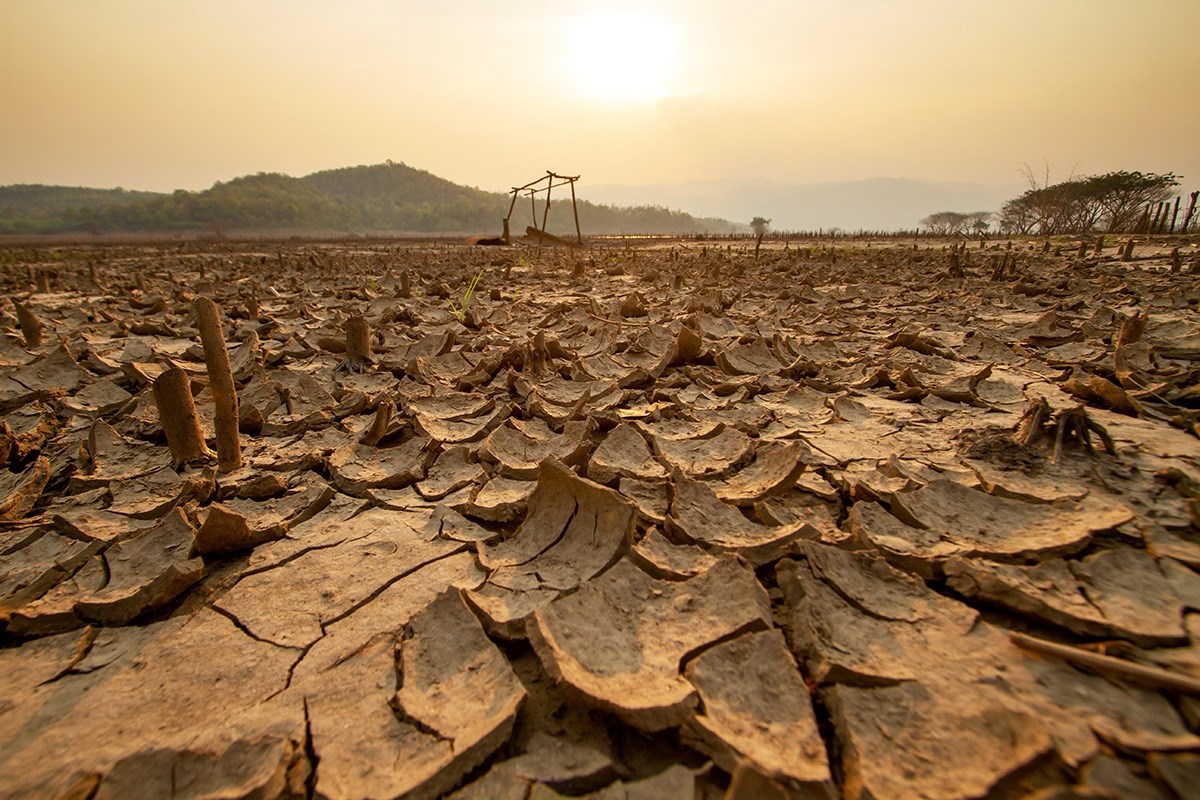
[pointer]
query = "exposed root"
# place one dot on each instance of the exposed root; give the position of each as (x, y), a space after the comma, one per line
(1073, 426)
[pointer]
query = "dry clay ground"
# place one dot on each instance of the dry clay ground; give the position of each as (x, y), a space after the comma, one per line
(663, 523)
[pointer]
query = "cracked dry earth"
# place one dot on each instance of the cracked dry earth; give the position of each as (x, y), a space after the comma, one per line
(658, 523)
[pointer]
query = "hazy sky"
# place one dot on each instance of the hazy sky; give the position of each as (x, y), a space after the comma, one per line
(166, 94)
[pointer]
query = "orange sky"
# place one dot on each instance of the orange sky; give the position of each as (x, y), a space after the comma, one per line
(158, 94)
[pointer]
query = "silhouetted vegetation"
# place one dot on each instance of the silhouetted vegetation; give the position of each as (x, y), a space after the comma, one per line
(953, 223)
(382, 197)
(1115, 201)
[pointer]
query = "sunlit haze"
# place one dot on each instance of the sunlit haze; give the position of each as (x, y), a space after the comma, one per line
(622, 56)
(159, 95)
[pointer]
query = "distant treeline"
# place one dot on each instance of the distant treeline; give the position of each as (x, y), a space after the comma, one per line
(1118, 202)
(382, 197)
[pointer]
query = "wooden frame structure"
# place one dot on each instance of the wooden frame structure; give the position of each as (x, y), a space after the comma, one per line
(533, 189)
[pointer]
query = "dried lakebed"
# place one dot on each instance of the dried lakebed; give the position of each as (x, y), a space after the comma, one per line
(664, 523)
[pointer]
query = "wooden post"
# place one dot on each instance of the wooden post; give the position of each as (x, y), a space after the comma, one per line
(546, 212)
(1127, 250)
(177, 413)
(511, 205)
(533, 211)
(1144, 221)
(220, 380)
(575, 210)
(1174, 215)
(1191, 209)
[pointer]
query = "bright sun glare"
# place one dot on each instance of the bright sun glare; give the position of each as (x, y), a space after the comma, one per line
(623, 57)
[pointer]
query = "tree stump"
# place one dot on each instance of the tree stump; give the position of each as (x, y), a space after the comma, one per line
(177, 413)
(220, 379)
(31, 326)
(1127, 250)
(358, 343)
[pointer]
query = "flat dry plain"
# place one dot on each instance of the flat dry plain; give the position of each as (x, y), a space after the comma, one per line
(656, 522)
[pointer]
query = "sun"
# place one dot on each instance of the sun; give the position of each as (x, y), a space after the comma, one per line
(622, 57)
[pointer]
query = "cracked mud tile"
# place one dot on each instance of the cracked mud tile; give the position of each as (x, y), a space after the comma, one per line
(290, 603)
(240, 523)
(146, 571)
(910, 741)
(115, 458)
(345, 518)
(624, 453)
(54, 611)
(776, 467)
(354, 468)
(256, 767)
(139, 690)
(29, 572)
(887, 650)
(717, 456)
(419, 730)
(574, 529)
(20, 492)
(945, 519)
(453, 470)
(619, 640)
(698, 516)
(520, 455)
(382, 617)
(756, 708)
(1120, 592)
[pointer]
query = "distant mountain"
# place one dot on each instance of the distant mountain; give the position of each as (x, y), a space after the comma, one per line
(879, 204)
(389, 197)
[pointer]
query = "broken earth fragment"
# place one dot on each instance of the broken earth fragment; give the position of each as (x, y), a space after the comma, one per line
(711, 457)
(619, 641)
(698, 516)
(409, 739)
(355, 467)
(756, 708)
(20, 492)
(226, 531)
(945, 519)
(909, 741)
(624, 453)
(1119, 592)
(146, 571)
(776, 467)
(574, 529)
(291, 602)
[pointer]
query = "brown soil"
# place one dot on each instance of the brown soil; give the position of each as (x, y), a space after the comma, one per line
(659, 521)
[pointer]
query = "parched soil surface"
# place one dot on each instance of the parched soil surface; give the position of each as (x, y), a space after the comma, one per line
(667, 522)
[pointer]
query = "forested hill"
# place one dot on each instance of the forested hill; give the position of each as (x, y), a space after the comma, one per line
(379, 198)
